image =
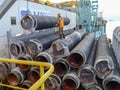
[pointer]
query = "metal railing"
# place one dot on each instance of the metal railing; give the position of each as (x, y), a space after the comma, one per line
(43, 76)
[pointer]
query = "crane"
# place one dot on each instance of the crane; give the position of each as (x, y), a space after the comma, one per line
(88, 16)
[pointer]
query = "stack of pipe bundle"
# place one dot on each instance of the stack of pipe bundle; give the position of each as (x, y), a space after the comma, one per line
(116, 43)
(104, 62)
(62, 48)
(36, 22)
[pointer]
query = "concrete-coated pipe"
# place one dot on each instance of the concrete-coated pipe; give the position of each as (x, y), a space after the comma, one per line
(44, 57)
(15, 77)
(35, 35)
(79, 54)
(93, 87)
(5, 68)
(26, 84)
(34, 46)
(61, 67)
(22, 66)
(87, 73)
(17, 48)
(53, 83)
(61, 48)
(70, 81)
(36, 22)
(112, 81)
(34, 74)
(116, 43)
(103, 62)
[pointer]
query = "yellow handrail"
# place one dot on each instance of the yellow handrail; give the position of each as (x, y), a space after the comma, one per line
(43, 76)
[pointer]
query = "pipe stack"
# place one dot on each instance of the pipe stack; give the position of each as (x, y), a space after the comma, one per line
(78, 60)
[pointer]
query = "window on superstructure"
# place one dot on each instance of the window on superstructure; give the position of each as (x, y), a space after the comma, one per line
(13, 20)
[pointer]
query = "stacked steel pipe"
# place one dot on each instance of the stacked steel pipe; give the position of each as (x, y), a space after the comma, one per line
(112, 82)
(36, 22)
(79, 54)
(33, 47)
(62, 48)
(70, 81)
(87, 73)
(104, 62)
(18, 46)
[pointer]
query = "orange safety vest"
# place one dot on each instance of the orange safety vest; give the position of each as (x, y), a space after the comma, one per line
(61, 23)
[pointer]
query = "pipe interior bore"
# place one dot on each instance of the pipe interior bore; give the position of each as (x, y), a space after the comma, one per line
(41, 59)
(103, 68)
(15, 49)
(27, 22)
(33, 76)
(69, 84)
(112, 85)
(22, 66)
(32, 48)
(75, 60)
(60, 69)
(13, 79)
(86, 76)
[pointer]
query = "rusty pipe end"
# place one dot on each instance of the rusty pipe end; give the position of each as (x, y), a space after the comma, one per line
(61, 67)
(15, 77)
(26, 84)
(44, 57)
(111, 83)
(17, 48)
(76, 59)
(70, 82)
(4, 70)
(103, 68)
(28, 22)
(22, 66)
(87, 74)
(33, 74)
(53, 83)
(33, 47)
